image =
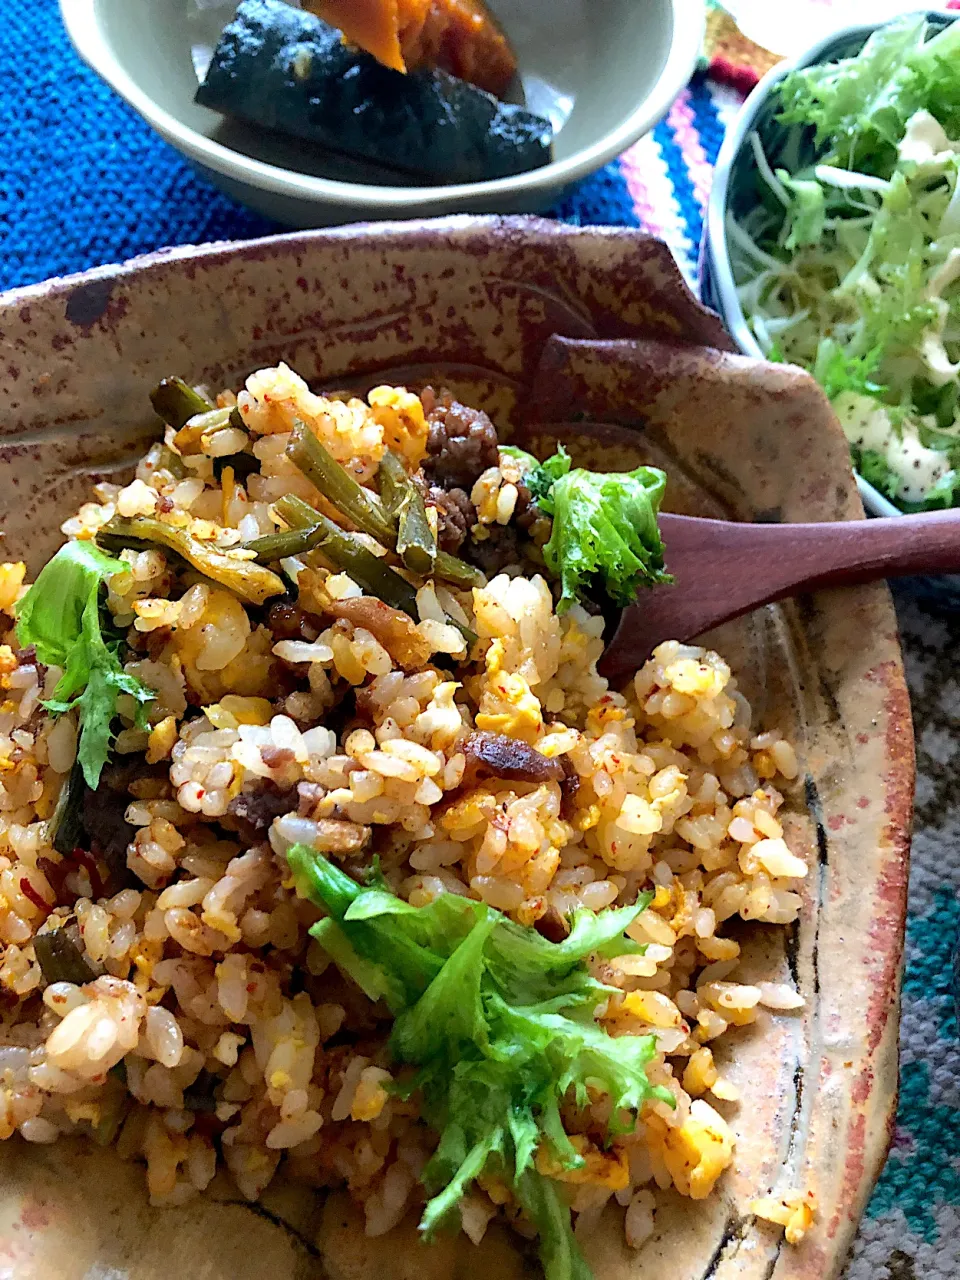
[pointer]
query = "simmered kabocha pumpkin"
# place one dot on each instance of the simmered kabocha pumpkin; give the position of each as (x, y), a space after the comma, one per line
(458, 36)
(287, 70)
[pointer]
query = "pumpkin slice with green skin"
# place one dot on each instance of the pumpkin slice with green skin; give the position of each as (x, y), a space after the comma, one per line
(284, 69)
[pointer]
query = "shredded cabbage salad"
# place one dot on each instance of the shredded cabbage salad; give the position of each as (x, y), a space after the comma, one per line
(848, 263)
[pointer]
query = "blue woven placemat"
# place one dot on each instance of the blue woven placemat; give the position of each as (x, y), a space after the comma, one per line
(83, 181)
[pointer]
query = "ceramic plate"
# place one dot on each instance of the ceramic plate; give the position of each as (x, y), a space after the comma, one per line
(556, 332)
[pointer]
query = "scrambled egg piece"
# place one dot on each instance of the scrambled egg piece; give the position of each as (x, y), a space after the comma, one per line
(371, 1096)
(507, 703)
(687, 675)
(696, 1152)
(794, 1211)
(232, 711)
(651, 1007)
(161, 740)
(8, 664)
(600, 1168)
(147, 953)
(400, 414)
(509, 706)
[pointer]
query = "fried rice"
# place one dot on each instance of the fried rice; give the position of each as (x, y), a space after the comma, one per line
(211, 1029)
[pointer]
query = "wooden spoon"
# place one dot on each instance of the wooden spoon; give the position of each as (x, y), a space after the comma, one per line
(724, 568)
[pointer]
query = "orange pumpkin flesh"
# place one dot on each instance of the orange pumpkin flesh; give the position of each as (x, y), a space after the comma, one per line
(459, 36)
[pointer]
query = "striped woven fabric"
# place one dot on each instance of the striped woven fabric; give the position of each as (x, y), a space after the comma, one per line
(83, 180)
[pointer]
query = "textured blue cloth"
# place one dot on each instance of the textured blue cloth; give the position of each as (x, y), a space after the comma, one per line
(84, 181)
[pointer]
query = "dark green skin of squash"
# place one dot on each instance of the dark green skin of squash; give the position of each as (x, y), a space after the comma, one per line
(287, 70)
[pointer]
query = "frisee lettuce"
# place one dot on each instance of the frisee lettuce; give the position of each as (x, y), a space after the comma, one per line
(860, 106)
(605, 528)
(875, 470)
(849, 261)
(60, 616)
(498, 1025)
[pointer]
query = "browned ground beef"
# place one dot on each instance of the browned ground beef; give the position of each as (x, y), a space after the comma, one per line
(287, 621)
(495, 553)
(455, 516)
(461, 442)
(254, 813)
(505, 544)
(526, 511)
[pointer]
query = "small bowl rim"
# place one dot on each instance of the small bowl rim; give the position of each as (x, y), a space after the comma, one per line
(688, 26)
(718, 260)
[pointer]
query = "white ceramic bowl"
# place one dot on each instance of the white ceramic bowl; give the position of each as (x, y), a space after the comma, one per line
(735, 166)
(612, 67)
(717, 286)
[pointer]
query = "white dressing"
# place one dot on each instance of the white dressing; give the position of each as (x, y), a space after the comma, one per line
(925, 141)
(919, 468)
(865, 422)
(847, 181)
(936, 362)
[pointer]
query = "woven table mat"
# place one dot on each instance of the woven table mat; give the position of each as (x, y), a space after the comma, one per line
(83, 181)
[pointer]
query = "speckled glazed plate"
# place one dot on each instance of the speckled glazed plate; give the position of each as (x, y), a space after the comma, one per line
(592, 336)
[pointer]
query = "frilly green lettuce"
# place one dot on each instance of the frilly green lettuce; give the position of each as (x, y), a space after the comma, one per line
(60, 615)
(605, 530)
(497, 1024)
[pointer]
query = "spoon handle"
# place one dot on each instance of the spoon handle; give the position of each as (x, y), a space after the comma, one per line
(795, 557)
(724, 568)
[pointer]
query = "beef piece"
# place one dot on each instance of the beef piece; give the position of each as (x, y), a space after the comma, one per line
(526, 512)
(461, 442)
(569, 786)
(200, 1096)
(309, 795)
(495, 755)
(456, 515)
(395, 630)
(495, 553)
(255, 812)
(156, 642)
(505, 543)
(552, 926)
(287, 621)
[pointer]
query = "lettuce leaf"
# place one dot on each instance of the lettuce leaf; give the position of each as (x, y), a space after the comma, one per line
(807, 211)
(875, 469)
(60, 615)
(605, 528)
(514, 451)
(541, 481)
(498, 1024)
(861, 105)
(558, 1250)
(836, 370)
